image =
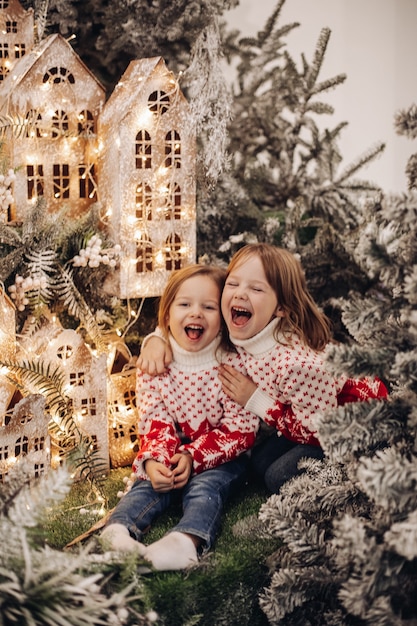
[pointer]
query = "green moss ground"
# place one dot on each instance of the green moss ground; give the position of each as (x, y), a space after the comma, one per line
(222, 590)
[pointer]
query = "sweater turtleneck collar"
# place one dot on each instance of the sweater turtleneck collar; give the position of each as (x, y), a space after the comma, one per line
(203, 359)
(261, 343)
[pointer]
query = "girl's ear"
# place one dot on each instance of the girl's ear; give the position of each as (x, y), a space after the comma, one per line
(279, 312)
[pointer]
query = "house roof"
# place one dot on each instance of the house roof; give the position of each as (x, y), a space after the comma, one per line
(26, 63)
(130, 86)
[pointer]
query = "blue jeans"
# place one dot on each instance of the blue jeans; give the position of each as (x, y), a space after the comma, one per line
(276, 460)
(203, 499)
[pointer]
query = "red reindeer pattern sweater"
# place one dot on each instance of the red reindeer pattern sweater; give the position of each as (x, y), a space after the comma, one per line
(294, 385)
(186, 409)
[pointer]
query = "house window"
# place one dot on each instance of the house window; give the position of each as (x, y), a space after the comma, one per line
(33, 120)
(35, 181)
(86, 125)
(77, 379)
(59, 123)
(4, 453)
(87, 182)
(3, 72)
(144, 256)
(39, 469)
(21, 446)
(11, 26)
(64, 352)
(143, 150)
(130, 398)
(158, 102)
(118, 432)
(19, 50)
(4, 4)
(172, 149)
(173, 208)
(172, 254)
(39, 444)
(57, 75)
(61, 180)
(88, 407)
(4, 50)
(143, 202)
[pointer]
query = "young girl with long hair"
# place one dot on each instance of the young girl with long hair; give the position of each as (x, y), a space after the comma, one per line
(192, 434)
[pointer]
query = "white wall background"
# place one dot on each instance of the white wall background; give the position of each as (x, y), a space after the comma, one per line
(374, 42)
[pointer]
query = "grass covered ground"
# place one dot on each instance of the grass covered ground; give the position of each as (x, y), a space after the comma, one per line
(222, 590)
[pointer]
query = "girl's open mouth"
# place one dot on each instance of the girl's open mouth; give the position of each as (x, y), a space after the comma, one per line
(240, 316)
(194, 332)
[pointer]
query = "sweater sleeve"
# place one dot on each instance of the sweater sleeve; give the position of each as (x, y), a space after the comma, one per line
(157, 430)
(307, 389)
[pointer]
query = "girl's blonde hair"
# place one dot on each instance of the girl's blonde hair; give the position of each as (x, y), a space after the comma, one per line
(286, 277)
(177, 278)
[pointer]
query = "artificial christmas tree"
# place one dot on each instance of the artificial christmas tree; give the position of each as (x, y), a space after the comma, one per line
(350, 524)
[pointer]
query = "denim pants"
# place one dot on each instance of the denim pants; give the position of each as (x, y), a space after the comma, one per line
(276, 460)
(203, 499)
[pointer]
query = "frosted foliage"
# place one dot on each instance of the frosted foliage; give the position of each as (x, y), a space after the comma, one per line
(43, 586)
(390, 480)
(210, 100)
(402, 537)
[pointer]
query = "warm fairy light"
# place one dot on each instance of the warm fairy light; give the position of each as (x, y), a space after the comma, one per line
(144, 118)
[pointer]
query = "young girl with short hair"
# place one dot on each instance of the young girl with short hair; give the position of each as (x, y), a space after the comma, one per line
(192, 435)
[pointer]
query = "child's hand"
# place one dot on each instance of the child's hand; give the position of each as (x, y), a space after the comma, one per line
(237, 386)
(161, 477)
(154, 357)
(182, 463)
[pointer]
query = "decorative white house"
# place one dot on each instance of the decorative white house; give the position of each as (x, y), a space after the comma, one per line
(147, 177)
(57, 100)
(16, 34)
(134, 154)
(24, 436)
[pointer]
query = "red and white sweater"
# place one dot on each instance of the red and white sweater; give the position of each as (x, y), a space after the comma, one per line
(294, 384)
(188, 404)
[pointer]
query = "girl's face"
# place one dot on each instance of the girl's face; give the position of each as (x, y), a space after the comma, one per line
(248, 301)
(194, 315)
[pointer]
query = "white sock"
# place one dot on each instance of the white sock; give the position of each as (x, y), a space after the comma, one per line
(119, 539)
(174, 551)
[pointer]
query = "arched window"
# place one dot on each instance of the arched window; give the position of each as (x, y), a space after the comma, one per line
(173, 253)
(3, 72)
(143, 150)
(172, 149)
(57, 75)
(143, 202)
(33, 128)
(21, 446)
(158, 102)
(86, 124)
(144, 256)
(172, 202)
(59, 123)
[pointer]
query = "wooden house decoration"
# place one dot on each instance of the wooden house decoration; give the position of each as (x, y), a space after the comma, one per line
(123, 417)
(86, 387)
(58, 102)
(24, 437)
(147, 177)
(16, 34)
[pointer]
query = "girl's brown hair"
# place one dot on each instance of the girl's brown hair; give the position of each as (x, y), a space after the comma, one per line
(286, 277)
(177, 278)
